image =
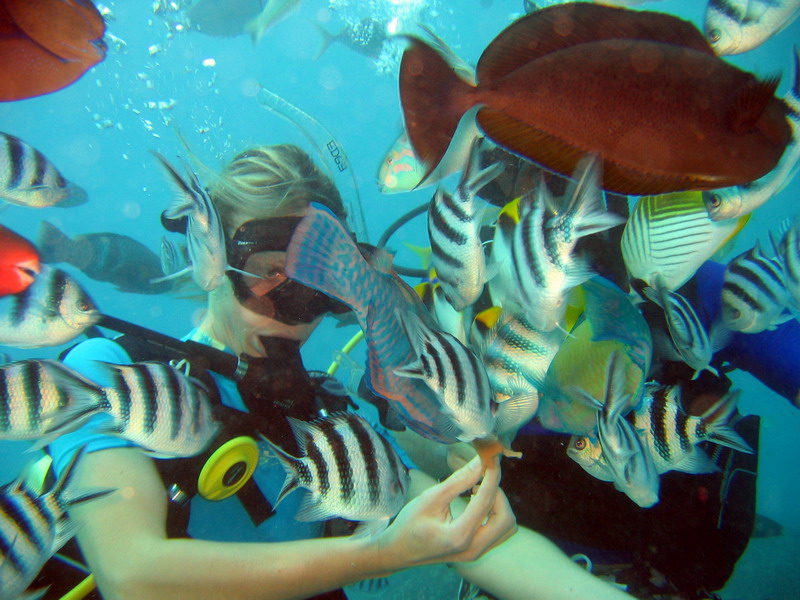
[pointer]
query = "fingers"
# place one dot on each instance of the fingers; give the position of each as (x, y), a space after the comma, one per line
(481, 502)
(459, 454)
(499, 526)
(459, 482)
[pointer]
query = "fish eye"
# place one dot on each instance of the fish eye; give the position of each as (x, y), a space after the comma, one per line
(714, 35)
(736, 314)
(716, 200)
(84, 306)
(580, 443)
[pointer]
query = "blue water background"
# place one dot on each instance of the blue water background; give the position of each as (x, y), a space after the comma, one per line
(100, 131)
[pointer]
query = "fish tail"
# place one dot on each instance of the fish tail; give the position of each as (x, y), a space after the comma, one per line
(320, 251)
(718, 420)
(434, 99)
(586, 200)
(61, 492)
(327, 39)
(53, 244)
(291, 465)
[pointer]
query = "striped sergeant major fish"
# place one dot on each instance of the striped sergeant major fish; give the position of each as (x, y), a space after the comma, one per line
(454, 373)
(754, 295)
(731, 202)
(544, 266)
(629, 459)
(53, 310)
(671, 236)
(27, 178)
(788, 250)
(672, 436)
(323, 256)
(516, 355)
(205, 237)
(34, 527)
(350, 470)
(685, 329)
(151, 404)
(29, 398)
(454, 223)
(736, 26)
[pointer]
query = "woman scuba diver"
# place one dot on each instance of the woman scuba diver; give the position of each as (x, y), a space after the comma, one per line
(127, 538)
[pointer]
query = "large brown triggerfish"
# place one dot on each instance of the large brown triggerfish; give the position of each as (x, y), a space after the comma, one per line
(643, 90)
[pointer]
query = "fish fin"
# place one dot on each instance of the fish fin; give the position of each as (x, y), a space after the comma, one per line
(474, 178)
(559, 155)
(415, 332)
(458, 64)
(61, 489)
(185, 202)
(718, 419)
(719, 336)
(312, 509)
(696, 462)
(755, 10)
(516, 411)
(749, 103)
(288, 462)
(85, 402)
(53, 244)
(412, 369)
(562, 26)
(586, 198)
(370, 529)
(526, 140)
(434, 99)
(327, 39)
(584, 397)
(76, 196)
(188, 270)
(302, 431)
(319, 247)
(35, 595)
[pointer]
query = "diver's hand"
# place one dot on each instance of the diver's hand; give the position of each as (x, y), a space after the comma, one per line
(426, 531)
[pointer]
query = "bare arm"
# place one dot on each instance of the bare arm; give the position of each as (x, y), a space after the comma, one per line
(527, 566)
(123, 538)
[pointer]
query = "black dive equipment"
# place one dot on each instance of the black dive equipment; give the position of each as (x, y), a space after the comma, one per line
(272, 387)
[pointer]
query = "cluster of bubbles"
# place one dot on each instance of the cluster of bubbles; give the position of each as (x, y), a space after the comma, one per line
(396, 16)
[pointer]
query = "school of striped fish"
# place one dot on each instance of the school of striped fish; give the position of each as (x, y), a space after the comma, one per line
(516, 324)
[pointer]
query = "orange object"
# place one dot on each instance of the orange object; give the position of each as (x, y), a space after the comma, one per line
(46, 45)
(19, 262)
(643, 90)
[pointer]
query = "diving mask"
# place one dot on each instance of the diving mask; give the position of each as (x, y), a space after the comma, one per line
(259, 247)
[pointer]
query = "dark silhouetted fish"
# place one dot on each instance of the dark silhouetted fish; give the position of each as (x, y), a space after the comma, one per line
(223, 18)
(111, 257)
(643, 90)
(365, 37)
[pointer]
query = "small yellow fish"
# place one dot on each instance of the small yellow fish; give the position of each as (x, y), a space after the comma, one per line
(672, 235)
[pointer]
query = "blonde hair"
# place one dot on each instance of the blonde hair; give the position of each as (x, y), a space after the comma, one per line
(271, 181)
